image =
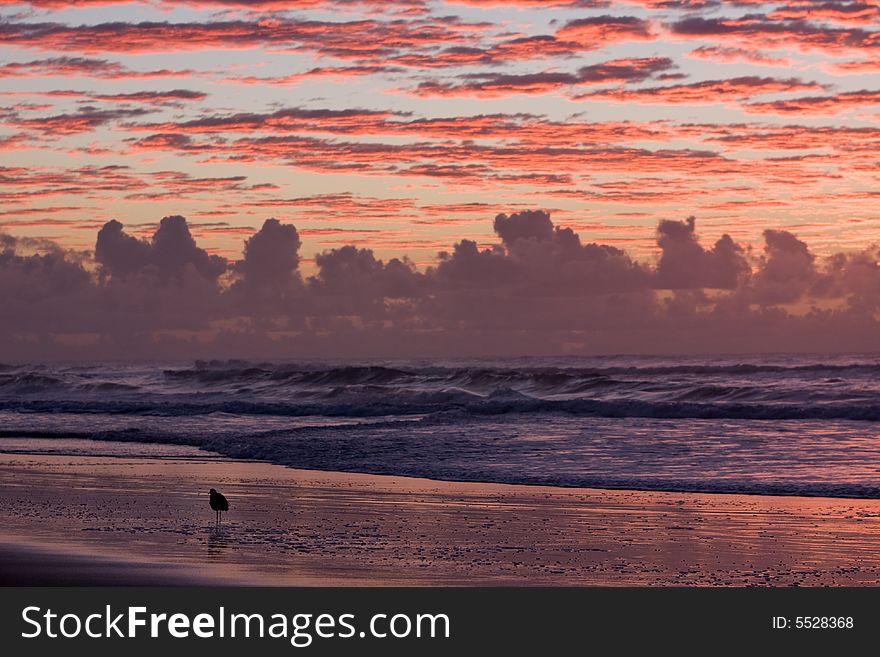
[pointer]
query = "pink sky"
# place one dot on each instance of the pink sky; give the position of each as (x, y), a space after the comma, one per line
(405, 128)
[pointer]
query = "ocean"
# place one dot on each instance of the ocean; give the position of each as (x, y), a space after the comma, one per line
(785, 424)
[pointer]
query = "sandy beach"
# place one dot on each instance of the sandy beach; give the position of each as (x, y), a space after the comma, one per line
(118, 519)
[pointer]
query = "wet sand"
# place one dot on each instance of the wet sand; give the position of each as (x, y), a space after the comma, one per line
(79, 519)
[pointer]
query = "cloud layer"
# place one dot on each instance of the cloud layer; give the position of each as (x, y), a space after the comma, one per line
(384, 136)
(538, 289)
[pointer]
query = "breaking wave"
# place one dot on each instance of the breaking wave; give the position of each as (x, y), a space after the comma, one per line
(782, 425)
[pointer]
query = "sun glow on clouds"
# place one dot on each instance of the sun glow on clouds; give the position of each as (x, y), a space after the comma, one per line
(401, 126)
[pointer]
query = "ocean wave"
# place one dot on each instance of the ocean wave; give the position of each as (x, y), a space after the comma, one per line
(209, 373)
(417, 387)
(500, 402)
(681, 382)
(783, 425)
(492, 375)
(386, 448)
(29, 382)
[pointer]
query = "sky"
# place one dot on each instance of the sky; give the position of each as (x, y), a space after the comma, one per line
(442, 178)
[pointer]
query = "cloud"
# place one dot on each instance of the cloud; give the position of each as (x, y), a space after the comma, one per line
(314, 73)
(857, 275)
(686, 264)
(854, 66)
(171, 97)
(538, 284)
(788, 271)
(567, 147)
(536, 257)
(85, 119)
(830, 104)
(170, 256)
(848, 13)
(271, 258)
(598, 31)
(731, 138)
(364, 40)
(120, 254)
(35, 270)
(704, 92)
(534, 225)
(756, 31)
(261, 5)
(730, 55)
(72, 67)
(499, 84)
(292, 119)
(31, 184)
(584, 4)
(356, 274)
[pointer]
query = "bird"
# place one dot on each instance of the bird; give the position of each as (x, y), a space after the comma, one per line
(219, 503)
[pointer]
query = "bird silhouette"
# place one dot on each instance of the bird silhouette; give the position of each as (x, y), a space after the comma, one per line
(219, 503)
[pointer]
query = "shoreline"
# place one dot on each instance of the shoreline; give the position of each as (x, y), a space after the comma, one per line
(60, 438)
(134, 520)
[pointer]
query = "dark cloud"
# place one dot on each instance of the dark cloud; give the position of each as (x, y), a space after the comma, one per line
(84, 119)
(686, 264)
(706, 91)
(535, 225)
(37, 270)
(42, 289)
(502, 84)
(761, 31)
(271, 258)
(830, 104)
(118, 253)
(356, 273)
(171, 255)
(364, 40)
(598, 31)
(625, 70)
(858, 276)
(788, 271)
(537, 289)
(81, 67)
(268, 5)
(536, 257)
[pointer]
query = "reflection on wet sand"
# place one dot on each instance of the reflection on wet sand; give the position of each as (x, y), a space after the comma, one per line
(304, 527)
